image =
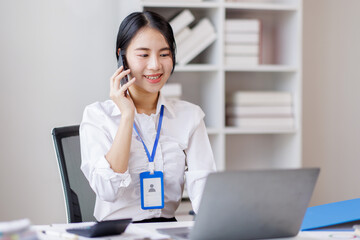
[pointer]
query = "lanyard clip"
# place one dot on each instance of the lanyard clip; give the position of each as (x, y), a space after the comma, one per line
(151, 167)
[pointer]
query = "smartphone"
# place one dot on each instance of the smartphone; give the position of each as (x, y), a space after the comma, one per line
(122, 62)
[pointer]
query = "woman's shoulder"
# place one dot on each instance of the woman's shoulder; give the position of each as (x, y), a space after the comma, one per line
(185, 107)
(103, 108)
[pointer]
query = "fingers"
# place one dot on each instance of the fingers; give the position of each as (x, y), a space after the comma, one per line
(116, 92)
(117, 71)
(128, 84)
(119, 74)
(112, 78)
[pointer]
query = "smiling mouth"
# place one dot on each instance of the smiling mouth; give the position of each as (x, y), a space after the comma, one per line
(153, 77)
(156, 78)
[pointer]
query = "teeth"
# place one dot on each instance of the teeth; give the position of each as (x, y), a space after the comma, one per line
(152, 78)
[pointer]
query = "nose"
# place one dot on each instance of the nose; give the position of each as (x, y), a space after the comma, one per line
(154, 62)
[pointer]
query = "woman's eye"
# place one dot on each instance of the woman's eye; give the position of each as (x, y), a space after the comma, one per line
(164, 55)
(143, 55)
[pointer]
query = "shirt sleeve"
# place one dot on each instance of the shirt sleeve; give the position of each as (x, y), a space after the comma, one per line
(95, 142)
(200, 162)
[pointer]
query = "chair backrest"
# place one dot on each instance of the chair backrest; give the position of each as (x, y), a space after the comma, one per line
(79, 197)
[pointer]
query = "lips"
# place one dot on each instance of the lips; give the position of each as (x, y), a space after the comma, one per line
(154, 78)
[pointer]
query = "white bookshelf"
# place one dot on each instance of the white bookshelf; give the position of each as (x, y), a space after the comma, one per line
(206, 80)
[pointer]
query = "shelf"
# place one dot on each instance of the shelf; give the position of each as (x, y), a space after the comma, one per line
(166, 4)
(261, 68)
(213, 131)
(196, 68)
(262, 6)
(235, 130)
(207, 80)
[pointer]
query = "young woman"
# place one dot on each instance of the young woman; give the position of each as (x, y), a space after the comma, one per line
(136, 147)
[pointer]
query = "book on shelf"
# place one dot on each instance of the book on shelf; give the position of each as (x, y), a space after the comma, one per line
(259, 111)
(202, 35)
(172, 90)
(261, 123)
(242, 25)
(260, 98)
(243, 38)
(182, 35)
(241, 49)
(242, 42)
(181, 20)
(241, 60)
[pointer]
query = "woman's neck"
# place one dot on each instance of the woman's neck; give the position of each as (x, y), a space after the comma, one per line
(145, 102)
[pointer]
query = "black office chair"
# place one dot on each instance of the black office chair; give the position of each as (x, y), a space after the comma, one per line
(79, 197)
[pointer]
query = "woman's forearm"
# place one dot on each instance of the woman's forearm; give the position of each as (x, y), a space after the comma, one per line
(118, 155)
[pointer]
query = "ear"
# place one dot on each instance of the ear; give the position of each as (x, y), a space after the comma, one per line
(118, 51)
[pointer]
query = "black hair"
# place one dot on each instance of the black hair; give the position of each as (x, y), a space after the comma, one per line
(137, 20)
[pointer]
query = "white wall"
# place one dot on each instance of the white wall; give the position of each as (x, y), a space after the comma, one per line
(57, 56)
(331, 112)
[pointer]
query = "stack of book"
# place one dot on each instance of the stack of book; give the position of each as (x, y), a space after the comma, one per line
(191, 41)
(172, 90)
(17, 229)
(196, 1)
(242, 42)
(255, 1)
(262, 110)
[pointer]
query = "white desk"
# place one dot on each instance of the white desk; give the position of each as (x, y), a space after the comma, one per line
(148, 231)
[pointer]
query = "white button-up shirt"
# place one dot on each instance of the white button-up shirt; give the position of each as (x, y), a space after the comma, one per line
(183, 141)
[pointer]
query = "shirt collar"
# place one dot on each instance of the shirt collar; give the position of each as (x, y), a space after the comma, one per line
(161, 101)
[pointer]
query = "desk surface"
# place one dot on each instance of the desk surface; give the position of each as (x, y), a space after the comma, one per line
(148, 231)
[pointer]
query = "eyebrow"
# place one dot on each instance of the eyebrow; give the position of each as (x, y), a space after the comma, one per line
(147, 49)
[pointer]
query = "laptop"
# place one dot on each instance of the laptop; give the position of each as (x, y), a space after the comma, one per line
(251, 204)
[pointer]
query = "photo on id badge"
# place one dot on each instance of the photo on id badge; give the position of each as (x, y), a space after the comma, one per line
(152, 192)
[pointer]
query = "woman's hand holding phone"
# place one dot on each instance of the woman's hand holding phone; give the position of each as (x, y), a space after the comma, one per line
(119, 93)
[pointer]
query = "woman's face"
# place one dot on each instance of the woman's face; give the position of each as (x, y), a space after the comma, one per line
(149, 59)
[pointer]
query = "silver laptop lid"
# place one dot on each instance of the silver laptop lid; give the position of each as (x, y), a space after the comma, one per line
(254, 204)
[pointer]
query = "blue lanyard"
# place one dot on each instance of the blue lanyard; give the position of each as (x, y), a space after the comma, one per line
(151, 158)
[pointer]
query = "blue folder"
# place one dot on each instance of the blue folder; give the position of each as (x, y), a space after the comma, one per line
(336, 216)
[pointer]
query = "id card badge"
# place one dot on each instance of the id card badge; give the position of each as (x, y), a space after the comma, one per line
(152, 190)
